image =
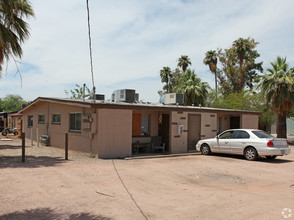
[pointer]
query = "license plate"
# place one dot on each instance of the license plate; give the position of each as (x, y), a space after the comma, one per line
(282, 151)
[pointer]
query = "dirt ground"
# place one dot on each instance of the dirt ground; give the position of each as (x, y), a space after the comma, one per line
(187, 187)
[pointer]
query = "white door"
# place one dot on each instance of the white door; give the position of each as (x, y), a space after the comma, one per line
(239, 141)
(224, 140)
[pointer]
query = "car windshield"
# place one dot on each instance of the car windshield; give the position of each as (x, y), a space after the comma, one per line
(262, 134)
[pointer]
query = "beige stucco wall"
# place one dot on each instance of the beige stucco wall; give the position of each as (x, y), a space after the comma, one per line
(179, 142)
(77, 140)
(225, 121)
(208, 125)
(109, 134)
(114, 137)
(249, 121)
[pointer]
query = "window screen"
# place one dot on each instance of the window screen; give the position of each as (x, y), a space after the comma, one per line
(56, 118)
(30, 121)
(41, 119)
(75, 122)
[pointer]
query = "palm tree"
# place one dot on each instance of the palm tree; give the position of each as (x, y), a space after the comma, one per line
(183, 62)
(13, 29)
(211, 60)
(165, 75)
(195, 91)
(241, 47)
(278, 86)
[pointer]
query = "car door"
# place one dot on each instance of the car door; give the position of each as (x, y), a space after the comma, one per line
(239, 141)
(223, 141)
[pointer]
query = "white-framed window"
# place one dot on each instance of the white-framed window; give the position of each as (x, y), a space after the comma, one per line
(75, 122)
(56, 119)
(30, 121)
(41, 119)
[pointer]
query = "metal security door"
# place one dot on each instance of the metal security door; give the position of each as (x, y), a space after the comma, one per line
(194, 130)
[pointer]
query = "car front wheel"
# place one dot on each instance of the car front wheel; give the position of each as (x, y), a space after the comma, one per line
(205, 149)
(250, 153)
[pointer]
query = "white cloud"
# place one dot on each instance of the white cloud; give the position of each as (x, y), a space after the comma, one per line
(133, 40)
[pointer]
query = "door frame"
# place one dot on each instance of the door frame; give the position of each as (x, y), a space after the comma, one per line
(168, 116)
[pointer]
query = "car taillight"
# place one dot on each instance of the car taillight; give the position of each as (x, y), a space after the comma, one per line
(270, 144)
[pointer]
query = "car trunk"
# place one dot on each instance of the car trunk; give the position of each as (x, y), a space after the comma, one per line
(279, 143)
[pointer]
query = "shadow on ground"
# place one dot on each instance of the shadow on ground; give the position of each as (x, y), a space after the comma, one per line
(46, 213)
(260, 159)
(30, 161)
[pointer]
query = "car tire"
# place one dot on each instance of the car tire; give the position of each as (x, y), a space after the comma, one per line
(205, 149)
(250, 153)
(271, 157)
(4, 133)
(15, 133)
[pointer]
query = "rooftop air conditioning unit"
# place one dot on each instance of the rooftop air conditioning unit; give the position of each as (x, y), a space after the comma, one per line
(172, 99)
(98, 97)
(125, 95)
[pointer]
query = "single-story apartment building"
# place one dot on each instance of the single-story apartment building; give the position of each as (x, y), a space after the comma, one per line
(113, 129)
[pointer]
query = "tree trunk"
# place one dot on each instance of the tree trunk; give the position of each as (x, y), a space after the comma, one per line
(281, 127)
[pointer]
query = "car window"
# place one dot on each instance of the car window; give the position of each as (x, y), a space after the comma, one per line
(226, 135)
(262, 134)
(240, 135)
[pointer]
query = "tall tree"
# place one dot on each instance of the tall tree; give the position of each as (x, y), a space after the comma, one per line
(242, 46)
(278, 87)
(14, 30)
(183, 62)
(195, 92)
(245, 100)
(11, 103)
(165, 74)
(211, 60)
(239, 66)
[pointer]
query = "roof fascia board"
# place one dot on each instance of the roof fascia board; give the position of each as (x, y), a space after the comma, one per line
(51, 100)
(69, 103)
(170, 109)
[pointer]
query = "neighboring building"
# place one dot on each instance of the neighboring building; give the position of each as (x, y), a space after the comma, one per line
(111, 129)
(3, 120)
(289, 124)
(14, 121)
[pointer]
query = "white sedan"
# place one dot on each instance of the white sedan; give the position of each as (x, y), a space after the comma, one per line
(248, 142)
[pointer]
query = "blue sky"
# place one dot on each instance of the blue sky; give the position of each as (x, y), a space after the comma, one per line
(132, 40)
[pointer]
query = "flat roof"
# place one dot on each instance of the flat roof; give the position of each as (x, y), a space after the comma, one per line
(135, 106)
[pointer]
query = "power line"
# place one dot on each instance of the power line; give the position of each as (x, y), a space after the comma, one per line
(90, 47)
